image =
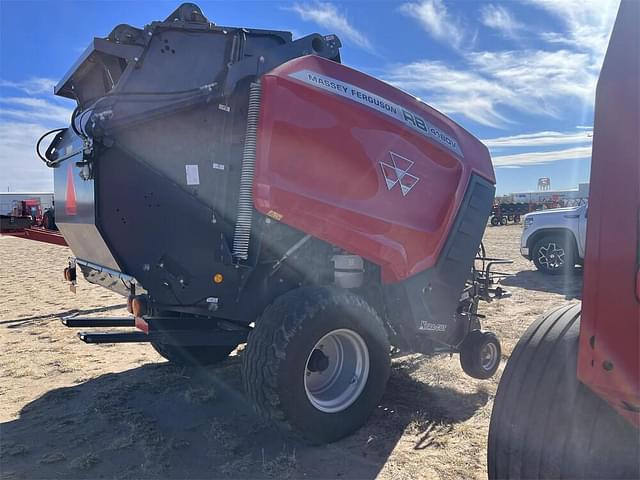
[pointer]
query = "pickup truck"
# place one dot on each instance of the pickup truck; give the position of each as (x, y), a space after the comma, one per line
(555, 239)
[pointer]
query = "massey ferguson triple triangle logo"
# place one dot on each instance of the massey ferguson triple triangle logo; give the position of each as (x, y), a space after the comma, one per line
(397, 172)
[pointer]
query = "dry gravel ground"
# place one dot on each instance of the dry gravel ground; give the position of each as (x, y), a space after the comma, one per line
(70, 410)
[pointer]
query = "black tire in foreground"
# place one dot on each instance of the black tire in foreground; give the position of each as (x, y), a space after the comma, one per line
(480, 354)
(555, 254)
(193, 355)
(547, 424)
(318, 361)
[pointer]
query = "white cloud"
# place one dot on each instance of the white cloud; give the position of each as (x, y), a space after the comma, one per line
(30, 109)
(328, 16)
(528, 81)
(436, 20)
(587, 23)
(542, 79)
(21, 169)
(489, 86)
(500, 19)
(22, 121)
(539, 139)
(538, 158)
(453, 91)
(33, 86)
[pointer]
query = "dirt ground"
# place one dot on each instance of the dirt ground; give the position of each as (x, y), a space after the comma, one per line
(71, 410)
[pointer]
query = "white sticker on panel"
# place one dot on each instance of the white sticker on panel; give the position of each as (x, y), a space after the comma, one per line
(193, 177)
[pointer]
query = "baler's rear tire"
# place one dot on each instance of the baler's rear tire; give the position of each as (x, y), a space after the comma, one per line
(193, 355)
(317, 360)
(545, 422)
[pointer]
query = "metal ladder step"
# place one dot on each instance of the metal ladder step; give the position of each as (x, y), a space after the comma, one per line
(109, 337)
(74, 322)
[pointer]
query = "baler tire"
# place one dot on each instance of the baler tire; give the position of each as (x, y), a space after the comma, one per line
(546, 423)
(193, 355)
(278, 355)
(471, 354)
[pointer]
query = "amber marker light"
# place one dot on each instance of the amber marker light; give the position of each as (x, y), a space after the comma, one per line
(138, 306)
(218, 278)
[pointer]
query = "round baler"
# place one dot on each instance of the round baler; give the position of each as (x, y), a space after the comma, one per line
(241, 186)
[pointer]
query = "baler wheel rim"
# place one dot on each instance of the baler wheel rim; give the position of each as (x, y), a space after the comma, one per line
(336, 386)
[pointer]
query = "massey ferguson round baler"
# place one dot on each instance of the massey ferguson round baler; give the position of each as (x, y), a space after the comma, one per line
(240, 186)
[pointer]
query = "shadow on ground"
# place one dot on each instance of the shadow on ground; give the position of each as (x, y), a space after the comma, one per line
(160, 421)
(21, 322)
(568, 285)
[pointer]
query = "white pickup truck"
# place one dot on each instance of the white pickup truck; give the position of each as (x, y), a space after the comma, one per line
(554, 239)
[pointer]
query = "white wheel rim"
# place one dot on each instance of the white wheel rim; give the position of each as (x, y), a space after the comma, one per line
(488, 356)
(337, 372)
(551, 256)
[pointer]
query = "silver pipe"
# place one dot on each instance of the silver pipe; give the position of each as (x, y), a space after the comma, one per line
(291, 251)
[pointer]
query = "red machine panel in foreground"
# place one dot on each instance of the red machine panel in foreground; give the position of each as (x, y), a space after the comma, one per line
(608, 360)
(357, 163)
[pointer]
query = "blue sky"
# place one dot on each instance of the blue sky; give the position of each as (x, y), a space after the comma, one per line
(520, 75)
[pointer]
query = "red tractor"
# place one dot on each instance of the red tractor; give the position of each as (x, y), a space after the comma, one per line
(568, 404)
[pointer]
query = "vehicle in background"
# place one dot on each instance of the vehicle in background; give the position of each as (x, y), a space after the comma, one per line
(555, 239)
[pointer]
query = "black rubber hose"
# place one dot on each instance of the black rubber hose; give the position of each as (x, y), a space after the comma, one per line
(44, 159)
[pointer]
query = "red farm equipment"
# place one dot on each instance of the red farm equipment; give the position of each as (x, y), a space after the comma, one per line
(240, 186)
(568, 403)
(28, 220)
(503, 213)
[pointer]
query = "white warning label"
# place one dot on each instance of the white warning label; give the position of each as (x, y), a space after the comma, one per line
(193, 176)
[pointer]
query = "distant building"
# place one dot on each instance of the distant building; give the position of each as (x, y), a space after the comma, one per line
(572, 197)
(8, 200)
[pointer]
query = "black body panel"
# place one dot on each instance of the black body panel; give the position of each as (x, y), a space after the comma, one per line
(426, 303)
(146, 179)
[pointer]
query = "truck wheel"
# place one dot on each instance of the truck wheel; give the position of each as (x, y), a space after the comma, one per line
(495, 221)
(547, 424)
(193, 355)
(480, 354)
(554, 254)
(317, 360)
(516, 218)
(503, 221)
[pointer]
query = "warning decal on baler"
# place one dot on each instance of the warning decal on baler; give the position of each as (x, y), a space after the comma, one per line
(380, 104)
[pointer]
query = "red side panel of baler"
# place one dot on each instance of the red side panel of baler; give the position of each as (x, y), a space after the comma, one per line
(608, 359)
(361, 165)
